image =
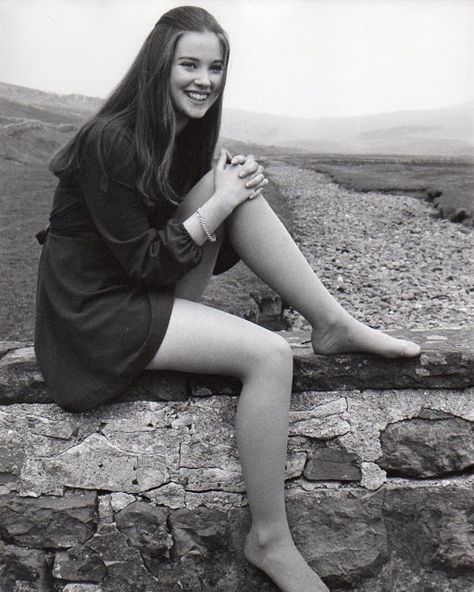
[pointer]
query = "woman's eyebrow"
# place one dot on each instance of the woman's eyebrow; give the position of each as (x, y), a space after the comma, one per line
(219, 61)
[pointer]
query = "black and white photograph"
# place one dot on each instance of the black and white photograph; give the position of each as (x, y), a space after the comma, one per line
(236, 296)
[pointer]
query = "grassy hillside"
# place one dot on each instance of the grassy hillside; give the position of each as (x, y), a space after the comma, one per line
(447, 182)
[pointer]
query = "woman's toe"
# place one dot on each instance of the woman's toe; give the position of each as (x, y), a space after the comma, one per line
(411, 349)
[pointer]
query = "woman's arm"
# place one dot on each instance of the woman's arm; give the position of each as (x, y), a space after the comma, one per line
(148, 256)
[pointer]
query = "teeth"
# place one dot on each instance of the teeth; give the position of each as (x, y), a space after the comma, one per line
(197, 96)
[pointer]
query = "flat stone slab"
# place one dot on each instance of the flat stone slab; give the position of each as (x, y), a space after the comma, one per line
(446, 361)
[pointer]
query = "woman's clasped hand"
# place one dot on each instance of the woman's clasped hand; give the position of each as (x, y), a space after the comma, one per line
(238, 178)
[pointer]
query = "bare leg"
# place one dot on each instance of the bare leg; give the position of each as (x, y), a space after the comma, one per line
(264, 244)
(202, 339)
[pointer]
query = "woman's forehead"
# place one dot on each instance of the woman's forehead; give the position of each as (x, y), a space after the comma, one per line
(200, 45)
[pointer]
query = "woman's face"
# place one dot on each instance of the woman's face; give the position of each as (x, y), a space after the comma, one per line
(196, 75)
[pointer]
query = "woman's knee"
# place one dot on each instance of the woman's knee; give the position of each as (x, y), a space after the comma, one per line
(271, 354)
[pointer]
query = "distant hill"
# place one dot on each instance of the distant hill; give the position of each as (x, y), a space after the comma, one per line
(34, 123)
(69, 105)
(443, 132)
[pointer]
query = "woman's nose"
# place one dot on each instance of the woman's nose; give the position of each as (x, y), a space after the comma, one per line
(202, 79)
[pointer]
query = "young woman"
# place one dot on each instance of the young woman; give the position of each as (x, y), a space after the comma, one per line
(140, 221)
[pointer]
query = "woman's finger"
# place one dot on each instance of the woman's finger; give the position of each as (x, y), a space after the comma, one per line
(238, 159)
(222, 159)
(255, 193)
(263, 184)
(249, 168)
(256, 180)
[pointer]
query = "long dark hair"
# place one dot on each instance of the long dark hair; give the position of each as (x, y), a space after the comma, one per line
(141, 108)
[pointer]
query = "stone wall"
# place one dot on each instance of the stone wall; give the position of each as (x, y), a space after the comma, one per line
(147, 495)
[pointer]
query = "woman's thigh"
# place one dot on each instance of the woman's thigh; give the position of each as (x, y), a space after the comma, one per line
(206, 340)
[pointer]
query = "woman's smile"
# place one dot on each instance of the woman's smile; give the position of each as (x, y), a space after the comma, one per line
(196, 76)
(197, 96)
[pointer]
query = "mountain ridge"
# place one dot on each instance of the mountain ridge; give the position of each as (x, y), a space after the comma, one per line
(447, 131)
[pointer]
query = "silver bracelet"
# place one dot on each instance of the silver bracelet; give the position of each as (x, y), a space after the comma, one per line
(211, 237)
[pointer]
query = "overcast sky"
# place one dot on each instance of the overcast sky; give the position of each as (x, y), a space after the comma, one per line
(307, 58)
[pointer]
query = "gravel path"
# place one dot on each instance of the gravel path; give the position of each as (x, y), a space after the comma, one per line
(386, 258)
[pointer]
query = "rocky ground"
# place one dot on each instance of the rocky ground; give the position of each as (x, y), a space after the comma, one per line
(387, 258)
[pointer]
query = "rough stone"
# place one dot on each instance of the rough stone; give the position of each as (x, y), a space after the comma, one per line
(206, 385)
(158, 386)
(199, 532)
(7, 346)
(108, 467)
(373, 476)
(221, 500)
(119, 501)
(81, 588)
(23, 570)
(48, 521)
(79, 563)
(318, 417)
(29, 431)
(20, 379)
(332, 464)
(105, 510)
(213, 478)
(145, 528)
(438, 522)
(12, 455)
(170, 495)
(126, 571)
(342, 536)
(427, 448)
(371, 411)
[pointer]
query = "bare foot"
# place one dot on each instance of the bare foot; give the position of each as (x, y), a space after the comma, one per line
(353, 336)
(283, 563)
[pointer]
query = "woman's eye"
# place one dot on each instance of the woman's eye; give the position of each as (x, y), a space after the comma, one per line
(188, 64)
(217, 68)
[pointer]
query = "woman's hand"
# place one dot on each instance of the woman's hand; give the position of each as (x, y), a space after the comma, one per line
(235, 183)
(253, 170)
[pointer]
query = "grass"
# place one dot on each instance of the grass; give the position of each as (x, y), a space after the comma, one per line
(25, 197)
(448, 183)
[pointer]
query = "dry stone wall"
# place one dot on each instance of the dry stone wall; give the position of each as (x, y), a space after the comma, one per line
(147, 494)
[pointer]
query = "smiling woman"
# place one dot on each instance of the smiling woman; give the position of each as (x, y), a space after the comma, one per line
(196, 77)
(141, 219)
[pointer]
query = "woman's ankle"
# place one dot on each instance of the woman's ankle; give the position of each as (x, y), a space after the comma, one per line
(267, 536)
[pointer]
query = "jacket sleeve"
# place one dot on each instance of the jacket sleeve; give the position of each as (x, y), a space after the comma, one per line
(155, 258)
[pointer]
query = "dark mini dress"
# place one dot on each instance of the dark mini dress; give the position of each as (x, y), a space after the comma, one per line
(106, 280)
